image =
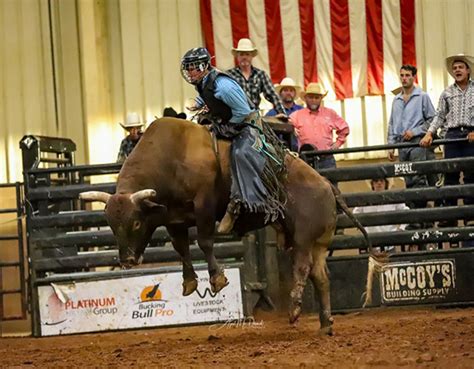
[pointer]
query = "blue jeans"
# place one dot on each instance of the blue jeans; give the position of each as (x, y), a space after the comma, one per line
(325, 162)
(458, 150)
(422, 180)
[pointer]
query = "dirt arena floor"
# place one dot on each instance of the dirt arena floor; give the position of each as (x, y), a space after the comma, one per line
(382, 338)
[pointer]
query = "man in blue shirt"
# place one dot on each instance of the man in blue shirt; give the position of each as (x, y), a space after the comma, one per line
(288, 90)
(257, 157)
(412, 113)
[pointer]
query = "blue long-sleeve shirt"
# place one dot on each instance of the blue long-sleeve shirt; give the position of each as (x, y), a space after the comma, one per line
(230, 92)
(414, 115)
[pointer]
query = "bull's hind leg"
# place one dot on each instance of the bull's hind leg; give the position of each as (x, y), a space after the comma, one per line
(320, 279)
(205, 222)
(301, 268)
(180, 240)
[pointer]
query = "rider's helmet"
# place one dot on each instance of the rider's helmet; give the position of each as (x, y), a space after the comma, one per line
(194, 64)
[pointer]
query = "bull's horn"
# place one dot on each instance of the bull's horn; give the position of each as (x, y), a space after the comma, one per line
(139, 196)
(95, 196)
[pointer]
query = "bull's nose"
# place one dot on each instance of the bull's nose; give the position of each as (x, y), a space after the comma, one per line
(127, 263)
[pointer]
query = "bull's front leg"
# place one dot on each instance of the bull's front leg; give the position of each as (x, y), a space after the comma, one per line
(205, 222)
(180, 240)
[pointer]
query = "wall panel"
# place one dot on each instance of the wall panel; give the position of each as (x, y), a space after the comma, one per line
(75, 68)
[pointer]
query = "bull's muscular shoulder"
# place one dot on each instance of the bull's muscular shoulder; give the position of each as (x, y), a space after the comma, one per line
(174, 133)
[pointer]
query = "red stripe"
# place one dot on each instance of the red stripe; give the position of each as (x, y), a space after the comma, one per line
(238, 19)
(308, 41)
(206, 24)
(341, 48)
(276, 52)
(373, 10)
(407, 14)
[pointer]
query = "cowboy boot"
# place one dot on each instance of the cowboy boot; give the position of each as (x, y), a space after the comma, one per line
(227, 223)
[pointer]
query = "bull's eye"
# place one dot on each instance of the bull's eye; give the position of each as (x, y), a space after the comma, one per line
(136, 225)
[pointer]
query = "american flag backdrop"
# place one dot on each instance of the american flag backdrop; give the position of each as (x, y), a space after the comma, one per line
(354, 47)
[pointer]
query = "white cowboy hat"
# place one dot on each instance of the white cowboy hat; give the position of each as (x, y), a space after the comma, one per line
(315, 88)
(287, 82)
(133, 120)
(245, 45)
(469, 60)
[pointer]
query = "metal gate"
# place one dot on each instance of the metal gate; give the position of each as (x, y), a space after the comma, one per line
(13, 266)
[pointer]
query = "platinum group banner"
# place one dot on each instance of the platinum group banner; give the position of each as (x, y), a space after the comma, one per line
(136, 302)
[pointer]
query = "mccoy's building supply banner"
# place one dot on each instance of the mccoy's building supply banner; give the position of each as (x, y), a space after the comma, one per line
(418, 282)
(135, 302)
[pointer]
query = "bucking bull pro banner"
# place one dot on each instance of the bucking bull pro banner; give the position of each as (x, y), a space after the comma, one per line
(134, 302)
(418, 282)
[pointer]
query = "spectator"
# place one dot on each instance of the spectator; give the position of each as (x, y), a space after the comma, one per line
(315, 125)
(379, 185)
(254, 81)
(257, 157)
(133, 126)
(412, 113)
(287, 90)
(170, 112)
(456, 114)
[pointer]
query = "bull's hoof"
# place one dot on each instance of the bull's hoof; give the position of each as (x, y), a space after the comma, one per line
(326, 331)
(189, 286)
(218, 282)
(295, 313)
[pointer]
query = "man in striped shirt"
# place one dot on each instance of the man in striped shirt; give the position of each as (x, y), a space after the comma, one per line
(254, 81)
(456, 114)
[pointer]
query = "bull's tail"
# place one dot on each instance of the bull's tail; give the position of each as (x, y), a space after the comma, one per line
(376, 260)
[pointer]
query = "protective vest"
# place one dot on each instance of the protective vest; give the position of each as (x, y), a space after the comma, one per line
(218, 108)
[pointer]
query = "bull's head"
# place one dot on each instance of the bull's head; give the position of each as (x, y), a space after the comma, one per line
(133, 219)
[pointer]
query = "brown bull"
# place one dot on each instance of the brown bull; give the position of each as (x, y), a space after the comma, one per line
(175, 178)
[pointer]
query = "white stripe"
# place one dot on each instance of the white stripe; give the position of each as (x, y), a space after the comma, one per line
(358, 32)
(353, 115)
(222, 30)
(376, 133)
(392, 44)
(258, 33)
(290, 19)
(322, 25)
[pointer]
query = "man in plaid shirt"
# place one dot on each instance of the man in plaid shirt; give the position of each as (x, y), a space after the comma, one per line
(254, 81)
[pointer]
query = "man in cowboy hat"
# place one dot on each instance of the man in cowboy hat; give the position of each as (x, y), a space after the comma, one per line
(412, 113)
(133, 125)
(315, 125)
(455, 113)
(287, 89)
(254, 81)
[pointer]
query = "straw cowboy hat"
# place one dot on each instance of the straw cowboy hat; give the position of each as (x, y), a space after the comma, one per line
(469, 60)
(133, 120)
(287, 82)
(315, 88)
(245, 45)
(397, 90)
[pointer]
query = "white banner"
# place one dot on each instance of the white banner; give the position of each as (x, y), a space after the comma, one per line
(134, 302)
